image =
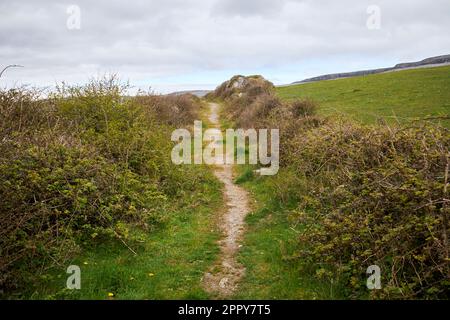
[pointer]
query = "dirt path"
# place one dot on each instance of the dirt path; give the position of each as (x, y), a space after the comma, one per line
(223, 278)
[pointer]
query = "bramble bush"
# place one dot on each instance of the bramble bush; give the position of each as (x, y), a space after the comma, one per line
(176, 110)
(375, 196)
(84, 165)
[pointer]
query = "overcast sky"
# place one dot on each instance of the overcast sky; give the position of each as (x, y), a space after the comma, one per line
(196, 44)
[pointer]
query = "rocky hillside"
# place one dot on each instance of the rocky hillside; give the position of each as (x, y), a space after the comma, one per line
(445, 59)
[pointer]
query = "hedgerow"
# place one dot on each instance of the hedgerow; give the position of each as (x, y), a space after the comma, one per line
(375, 196)
(84, 165)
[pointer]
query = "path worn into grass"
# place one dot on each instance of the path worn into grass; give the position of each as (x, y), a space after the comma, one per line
(223, 278)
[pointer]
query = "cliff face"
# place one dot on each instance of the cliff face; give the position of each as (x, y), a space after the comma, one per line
(429, 61)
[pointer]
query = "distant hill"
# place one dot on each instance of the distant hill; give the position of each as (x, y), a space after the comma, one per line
(198, 93)
(434, 61)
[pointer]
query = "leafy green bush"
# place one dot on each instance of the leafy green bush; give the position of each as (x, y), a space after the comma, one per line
(86, 164)
(376, 196)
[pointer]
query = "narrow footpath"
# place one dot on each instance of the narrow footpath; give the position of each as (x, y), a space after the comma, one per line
(223, 278)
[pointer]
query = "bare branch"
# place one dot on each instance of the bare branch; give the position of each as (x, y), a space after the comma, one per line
(10, 66)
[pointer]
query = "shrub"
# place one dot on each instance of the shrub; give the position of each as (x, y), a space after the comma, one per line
(86, 163)
(259, 109)
(175, 110)
(239, 86)
(248, 99)
(376, 196)
(303, 108)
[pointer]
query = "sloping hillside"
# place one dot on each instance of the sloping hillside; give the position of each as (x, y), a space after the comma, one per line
(398, 96)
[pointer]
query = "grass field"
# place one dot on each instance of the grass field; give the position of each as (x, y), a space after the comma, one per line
(397, 96)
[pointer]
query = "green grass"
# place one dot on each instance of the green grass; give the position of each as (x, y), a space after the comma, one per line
(268, 240)
(169, 263)
(397, 96)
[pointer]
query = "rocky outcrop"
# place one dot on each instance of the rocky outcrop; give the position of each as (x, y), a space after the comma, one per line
(239, 85)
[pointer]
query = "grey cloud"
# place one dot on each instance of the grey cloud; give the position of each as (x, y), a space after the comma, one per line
(159, 40)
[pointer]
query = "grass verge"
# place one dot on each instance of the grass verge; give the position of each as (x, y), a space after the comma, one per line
(268, 241)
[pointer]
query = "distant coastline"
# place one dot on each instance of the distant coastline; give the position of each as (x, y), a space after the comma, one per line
(429, 62)
(198, 93)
